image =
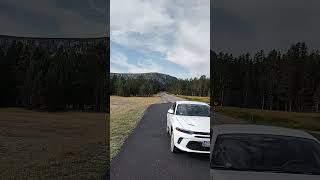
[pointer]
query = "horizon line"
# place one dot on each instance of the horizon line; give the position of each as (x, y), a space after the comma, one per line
(38, 37)
(158, 73)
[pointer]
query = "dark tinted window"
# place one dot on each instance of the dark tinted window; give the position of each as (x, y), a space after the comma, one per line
(266, 153)
(193, 110)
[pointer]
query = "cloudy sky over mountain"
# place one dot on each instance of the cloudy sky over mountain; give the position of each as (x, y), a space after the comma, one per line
(166, 36)
(54, 18)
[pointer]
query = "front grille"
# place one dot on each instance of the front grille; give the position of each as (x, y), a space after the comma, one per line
(201, 133)
(197, 146)
(202, 137)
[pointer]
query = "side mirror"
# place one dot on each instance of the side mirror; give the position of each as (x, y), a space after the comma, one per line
(170, 111)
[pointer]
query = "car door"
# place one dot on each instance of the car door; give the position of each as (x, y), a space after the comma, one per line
(170, 116)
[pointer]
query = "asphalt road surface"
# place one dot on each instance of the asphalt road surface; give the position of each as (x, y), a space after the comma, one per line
(145, 155)
(165, 97)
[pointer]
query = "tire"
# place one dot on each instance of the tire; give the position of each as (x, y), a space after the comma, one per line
(173, 148)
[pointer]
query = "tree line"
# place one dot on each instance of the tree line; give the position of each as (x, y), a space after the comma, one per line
(191, 87)
(144, 86)
(287, 81)
(137, 86)
(69, 76)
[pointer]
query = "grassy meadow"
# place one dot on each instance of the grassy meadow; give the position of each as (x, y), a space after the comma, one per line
(305, 121)
(42, 145)
(125, 113)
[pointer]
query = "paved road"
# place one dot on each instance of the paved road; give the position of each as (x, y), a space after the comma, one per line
(169, 98)
(146, 154)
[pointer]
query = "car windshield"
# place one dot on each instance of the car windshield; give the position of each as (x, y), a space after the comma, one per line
(272, 153)
(193, 110)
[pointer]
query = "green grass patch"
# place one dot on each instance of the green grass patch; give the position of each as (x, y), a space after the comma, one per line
(306, 121)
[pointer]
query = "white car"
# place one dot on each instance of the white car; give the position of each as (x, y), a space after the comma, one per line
(262, 153)
(188, 123)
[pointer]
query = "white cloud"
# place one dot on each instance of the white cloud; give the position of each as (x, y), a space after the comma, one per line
(137, 16)
(179, 30)
(115, 70)
(121, 60)
(192, 47)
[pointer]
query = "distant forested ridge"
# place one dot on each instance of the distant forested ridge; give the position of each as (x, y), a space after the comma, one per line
(147, 84)
(54, 74)
(272, 80)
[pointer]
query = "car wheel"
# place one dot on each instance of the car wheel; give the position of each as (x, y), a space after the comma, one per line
(173, 148)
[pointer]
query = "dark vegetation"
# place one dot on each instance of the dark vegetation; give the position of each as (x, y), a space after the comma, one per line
(54, 74)
(287, 81)
(147, 84)
(299, 120)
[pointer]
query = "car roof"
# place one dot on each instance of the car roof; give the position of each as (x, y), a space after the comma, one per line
(260, 129)
(191, 102)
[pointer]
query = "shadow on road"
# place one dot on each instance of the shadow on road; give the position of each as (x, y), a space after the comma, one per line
(203, 157)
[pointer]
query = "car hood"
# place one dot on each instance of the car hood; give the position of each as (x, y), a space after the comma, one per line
(195, 123)
(236, 175)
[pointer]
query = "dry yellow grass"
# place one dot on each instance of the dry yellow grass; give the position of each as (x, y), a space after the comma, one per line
(42, 145)
(125, 113)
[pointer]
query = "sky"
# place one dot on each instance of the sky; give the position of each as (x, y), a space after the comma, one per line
(54, 18)
(165, 36)
(251, 25)
(168, 36)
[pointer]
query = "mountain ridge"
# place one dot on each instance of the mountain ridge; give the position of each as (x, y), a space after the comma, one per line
(159, 77)
(2, 36)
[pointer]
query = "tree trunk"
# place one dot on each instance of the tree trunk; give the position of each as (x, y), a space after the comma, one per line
(245, 103)
(222, 97)
(262, 105)
(286, 106)
(290, 107)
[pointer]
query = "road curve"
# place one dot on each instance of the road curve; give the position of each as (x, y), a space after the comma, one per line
(146, 154)
(169, 98)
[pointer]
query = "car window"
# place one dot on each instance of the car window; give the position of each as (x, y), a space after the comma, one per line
(251, 152)
(193, 110)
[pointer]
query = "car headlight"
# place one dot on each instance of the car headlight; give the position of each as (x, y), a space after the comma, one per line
(184, 130)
